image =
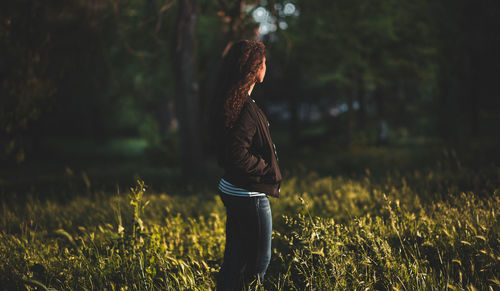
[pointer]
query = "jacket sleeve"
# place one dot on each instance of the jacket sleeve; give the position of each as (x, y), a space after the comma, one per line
(238, 152)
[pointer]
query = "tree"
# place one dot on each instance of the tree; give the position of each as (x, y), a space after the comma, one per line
(362, 52)
(187, 98)
(53, 61)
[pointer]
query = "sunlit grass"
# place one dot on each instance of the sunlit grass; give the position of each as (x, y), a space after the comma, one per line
(413, 231)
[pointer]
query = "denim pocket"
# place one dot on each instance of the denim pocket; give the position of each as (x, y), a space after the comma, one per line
(263, 202)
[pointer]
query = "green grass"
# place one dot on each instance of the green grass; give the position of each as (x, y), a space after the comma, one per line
(369, 218)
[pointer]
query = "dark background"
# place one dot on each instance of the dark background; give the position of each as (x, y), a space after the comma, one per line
(94, 94)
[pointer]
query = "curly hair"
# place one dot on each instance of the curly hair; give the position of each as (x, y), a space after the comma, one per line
(239, 71)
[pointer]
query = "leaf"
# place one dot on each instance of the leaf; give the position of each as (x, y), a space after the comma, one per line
(319, 253)
(62, 233)
(34, 282)
(495, 281)
(481, 237)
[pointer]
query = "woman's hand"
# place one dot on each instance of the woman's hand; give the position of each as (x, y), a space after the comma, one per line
(239, 156)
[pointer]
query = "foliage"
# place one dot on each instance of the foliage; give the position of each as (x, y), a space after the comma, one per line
(79, 68)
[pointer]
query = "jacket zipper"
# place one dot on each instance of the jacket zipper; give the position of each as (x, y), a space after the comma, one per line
(262, 118)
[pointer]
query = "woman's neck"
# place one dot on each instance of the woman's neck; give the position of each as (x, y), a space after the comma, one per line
(251, 89)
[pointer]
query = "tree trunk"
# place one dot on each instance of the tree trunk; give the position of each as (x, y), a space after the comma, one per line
(165, 114)
(379, 102)
(187, 99)
(362, 104)
(350, 116)
(379, 95)
(293, 105)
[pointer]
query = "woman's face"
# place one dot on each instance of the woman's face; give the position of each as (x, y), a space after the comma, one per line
(262, 71)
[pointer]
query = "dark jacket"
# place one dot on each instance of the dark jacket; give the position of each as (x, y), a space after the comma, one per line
(247, 153)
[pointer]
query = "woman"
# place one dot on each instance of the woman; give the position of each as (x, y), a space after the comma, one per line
(251, 173)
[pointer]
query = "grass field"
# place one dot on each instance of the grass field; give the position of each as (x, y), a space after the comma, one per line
(393, 218)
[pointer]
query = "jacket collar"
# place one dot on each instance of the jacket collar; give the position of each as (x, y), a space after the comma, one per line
(249, 99)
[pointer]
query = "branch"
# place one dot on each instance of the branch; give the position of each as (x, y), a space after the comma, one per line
(160, 20)
(126, 44)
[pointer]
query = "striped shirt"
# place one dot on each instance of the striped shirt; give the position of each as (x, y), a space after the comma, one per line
(230, 189)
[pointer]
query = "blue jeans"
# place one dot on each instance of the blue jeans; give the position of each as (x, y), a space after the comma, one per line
(248, 241)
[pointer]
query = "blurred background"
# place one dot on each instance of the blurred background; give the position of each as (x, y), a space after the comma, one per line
(94, 94)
